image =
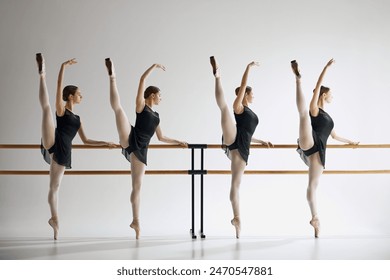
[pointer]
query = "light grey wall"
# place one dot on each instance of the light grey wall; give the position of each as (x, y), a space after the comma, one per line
(182, 35)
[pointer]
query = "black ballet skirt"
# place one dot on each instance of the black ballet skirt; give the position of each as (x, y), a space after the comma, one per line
(246, 124)
(322, 125)
(67, 127)
(140, 135)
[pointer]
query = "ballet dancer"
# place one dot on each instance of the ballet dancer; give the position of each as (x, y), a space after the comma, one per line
(135, 139)
(315, 126)
(236, 138)
(56, 142)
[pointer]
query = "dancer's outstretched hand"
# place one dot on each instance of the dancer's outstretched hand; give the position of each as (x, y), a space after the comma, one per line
(69, 62)
(354, 143)
(183, 144)
(160, 66)
(111, 145)
(254, 63)
(330, 62)
(267, 143)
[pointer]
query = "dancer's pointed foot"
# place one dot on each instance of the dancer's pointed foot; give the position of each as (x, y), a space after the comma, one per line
(135, 225)
(214, 65)
(315, 223)
(294, 66)
(237, 225)
(40, 63)
(53, 222)
(110, 67)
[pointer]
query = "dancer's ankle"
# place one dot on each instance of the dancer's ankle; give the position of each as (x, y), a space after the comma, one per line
(54, 218)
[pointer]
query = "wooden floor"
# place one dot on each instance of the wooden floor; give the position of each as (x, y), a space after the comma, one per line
(210, 248)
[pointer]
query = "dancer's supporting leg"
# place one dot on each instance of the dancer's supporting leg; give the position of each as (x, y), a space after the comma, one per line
(315, 171)
(237, 167)
(56, 174)
(137, 174)
(122, 122)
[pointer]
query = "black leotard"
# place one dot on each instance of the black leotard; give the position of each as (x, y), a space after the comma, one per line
(140, 135)
(67, 127)
(322, 126)
(246, 124)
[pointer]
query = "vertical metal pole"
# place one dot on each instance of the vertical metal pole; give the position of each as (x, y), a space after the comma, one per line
(193, 194)
(201, 192)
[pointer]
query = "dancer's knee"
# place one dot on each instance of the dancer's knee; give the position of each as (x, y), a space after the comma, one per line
(311, 190)
(303, 114)
(136, 183)
(117, 108)
(233, 197)
(134, 197)
(236, 182)
(46, 109)
(54, 187)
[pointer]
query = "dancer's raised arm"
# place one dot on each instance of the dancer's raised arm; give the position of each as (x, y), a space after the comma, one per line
(316, 92)
(238, 107)
(140, 100)
(59, 102)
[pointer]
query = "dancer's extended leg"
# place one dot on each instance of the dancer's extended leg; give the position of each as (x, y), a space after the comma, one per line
(122, 123)
(315, 171)
(48, 127)
(56, 174)
(137, 174)
(305, 131)
(237, 166)
(229, 130)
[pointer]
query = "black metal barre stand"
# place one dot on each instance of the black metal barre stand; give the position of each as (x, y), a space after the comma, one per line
(194, 172)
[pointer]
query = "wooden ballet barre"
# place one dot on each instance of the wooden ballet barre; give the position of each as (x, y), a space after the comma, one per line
(93, 172)
(82, 146)
(294, 146)
(207, 146)
(298, 172)
(188, 172)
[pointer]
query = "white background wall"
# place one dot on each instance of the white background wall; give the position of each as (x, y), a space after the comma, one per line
(182, 35)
